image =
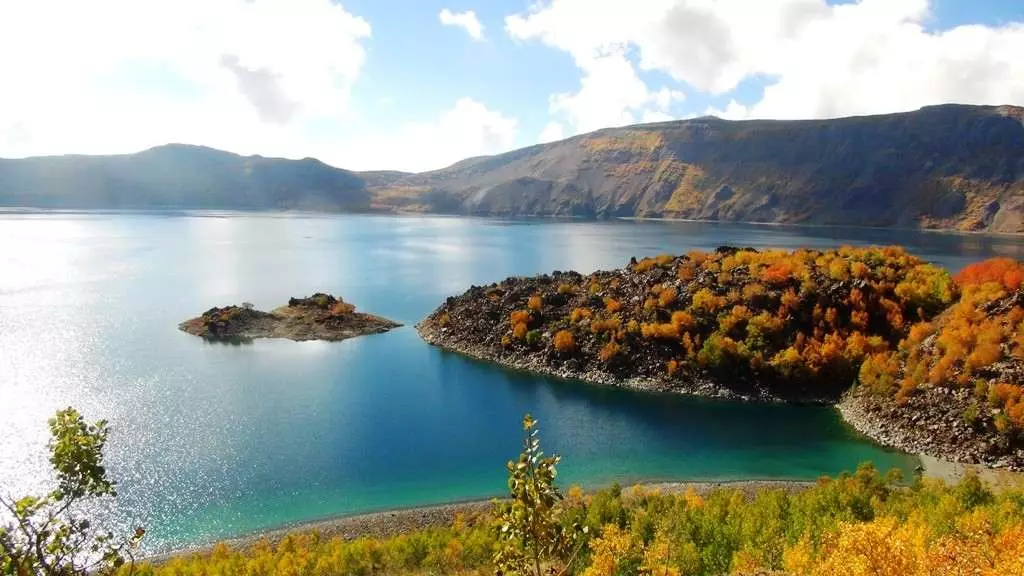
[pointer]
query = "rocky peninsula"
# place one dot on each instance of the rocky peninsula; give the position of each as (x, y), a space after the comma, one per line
(890, 339)
(318, 317)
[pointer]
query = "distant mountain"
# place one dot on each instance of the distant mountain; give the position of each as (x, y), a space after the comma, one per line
(950, 166)
(179, 176)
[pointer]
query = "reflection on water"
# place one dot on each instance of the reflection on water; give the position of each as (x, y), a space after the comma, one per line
(214, 440)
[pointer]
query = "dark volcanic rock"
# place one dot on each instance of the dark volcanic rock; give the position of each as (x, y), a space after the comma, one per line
(318, 317)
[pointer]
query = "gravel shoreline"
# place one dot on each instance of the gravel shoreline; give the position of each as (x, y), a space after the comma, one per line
(947, 438)
(390, 523)
(705, 388)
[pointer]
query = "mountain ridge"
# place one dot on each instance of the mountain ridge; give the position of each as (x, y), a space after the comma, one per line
(948, 166)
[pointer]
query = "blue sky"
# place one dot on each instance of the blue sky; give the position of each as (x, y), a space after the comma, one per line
(367, 84)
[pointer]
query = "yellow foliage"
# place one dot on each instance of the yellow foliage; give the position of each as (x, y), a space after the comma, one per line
(707, 301)
(667, 297)
(879, 548)
(578, 314)
(664, 331)
(608, 551)
(610, 324)
(609, 351)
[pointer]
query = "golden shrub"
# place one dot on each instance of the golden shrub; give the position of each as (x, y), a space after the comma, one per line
(564, 341)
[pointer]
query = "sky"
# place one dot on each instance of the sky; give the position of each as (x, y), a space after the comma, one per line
(419, 84)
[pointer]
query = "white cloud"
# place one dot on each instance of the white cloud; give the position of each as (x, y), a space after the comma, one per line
(612, 94)
(553, 131)
(819, 60)
(733, 111)
(467, 129)
(120, 75)
(466, 20)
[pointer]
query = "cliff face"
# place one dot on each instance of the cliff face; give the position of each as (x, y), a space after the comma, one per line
(178, 176)
(949, 166)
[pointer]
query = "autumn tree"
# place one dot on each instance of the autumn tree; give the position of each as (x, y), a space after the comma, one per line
(530, 535)
(49, 534)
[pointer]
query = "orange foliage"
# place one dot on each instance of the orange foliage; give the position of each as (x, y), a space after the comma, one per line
(790, 299)
(609, 351)
(1005, 271)
(579, 314)
(611, 305)
(564, 341)
(663, 331)
(777, 273)
(610, 324)
(672, 367)
(1010, 399)
(752, 291)
(859, 270)
(687, 271)
(859, 319)
(684, 320)
(667, 297)
(519, 317)
(535, 303)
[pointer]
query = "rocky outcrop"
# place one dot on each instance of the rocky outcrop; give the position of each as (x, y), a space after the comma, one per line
(318, 317)
(933, 422)
(828, 327)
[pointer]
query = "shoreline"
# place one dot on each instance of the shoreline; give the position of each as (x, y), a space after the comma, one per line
(703, 388)
(394, 522)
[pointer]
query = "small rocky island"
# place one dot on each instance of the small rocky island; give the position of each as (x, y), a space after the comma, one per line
(318, 317)
(912, 356)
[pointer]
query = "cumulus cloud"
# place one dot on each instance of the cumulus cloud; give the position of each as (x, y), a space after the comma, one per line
(466, 129)
(612, 94)
(263, 89)
(120, 75)
(466, 20)
(818, 60)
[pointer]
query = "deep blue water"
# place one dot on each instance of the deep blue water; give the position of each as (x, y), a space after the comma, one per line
(216, 440)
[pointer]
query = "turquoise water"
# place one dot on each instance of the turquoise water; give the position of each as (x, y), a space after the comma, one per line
(217, 440)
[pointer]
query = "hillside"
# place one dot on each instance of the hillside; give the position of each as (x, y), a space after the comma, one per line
(947, 167)
(940, 167)
(179, 176)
